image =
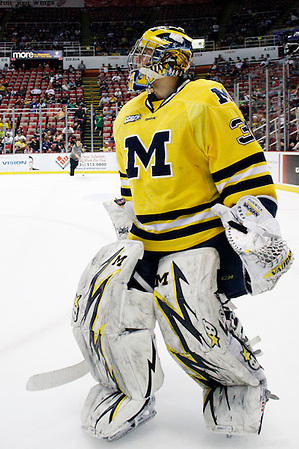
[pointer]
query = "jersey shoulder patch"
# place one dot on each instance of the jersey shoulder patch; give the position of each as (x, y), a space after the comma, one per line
(208, 92)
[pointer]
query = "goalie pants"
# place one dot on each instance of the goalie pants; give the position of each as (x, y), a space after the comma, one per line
(230, 277)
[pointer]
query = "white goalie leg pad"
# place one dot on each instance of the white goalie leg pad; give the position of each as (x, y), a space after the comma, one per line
(111, 414)
(234, 410)
(193, 322)
(195, 326)
(255, 236)
(114, 326)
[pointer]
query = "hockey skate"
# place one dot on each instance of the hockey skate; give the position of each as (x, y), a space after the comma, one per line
(111, 414)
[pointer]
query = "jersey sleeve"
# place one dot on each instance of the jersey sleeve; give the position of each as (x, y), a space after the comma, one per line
(236, 160)
(124, 181)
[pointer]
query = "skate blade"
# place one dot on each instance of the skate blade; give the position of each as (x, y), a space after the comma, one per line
(136, 423)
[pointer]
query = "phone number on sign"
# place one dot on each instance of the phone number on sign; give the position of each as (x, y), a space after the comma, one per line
(95, 164)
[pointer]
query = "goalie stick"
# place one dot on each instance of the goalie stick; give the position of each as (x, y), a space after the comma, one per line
(58, 377)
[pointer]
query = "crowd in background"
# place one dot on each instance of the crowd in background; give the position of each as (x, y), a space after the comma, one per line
(228, 72)
(50, 140)
(113, 30)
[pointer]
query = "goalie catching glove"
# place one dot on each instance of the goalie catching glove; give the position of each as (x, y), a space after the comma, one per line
(255, 236)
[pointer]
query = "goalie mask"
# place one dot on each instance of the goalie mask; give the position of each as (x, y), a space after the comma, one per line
(161, 51)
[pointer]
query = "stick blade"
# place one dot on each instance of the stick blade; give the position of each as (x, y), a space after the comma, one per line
(53, 379)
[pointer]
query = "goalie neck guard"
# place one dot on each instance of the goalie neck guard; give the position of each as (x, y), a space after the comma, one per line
(161, 51)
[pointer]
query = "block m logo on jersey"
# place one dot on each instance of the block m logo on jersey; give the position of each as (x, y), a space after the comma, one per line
(154, 156)
(222, 96)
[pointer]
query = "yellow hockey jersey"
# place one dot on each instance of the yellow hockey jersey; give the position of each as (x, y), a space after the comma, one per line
(180, 155)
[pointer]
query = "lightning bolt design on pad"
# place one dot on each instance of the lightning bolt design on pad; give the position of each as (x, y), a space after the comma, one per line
(95, 294)
(95, 289)
(200, 369)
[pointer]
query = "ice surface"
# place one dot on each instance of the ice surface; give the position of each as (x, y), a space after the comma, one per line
(51, 226)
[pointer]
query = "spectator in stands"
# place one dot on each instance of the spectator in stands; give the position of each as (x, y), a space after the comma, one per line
(20, 143)
(80, 113)
(19, 133)
(103, 87)
(58, 77)
(265, 61)
(58, 147)
(69, 129)
(99, 123)
(72, 105)
(2, 88)
(60, 115)
(112, 99)
(102, 77)
(105, 146)
(108, 112)
(111, 141)
(119, 103)
(116, 78)
(238, 63)
(71, 69)
(50, 92)
(78, 82)
(57, 83)
(80, 120)
(104, 101)
(4, 81)
(2, 128)
(6, 142)
(65, 87)
(34, 105)
(43, 101)
(65, 98)
(294, 144)
(58, 136)
(21, 92)
(118, 92)
(34, 144)
(104, 68)
(82, 67)
(50, 130)
(47, 145)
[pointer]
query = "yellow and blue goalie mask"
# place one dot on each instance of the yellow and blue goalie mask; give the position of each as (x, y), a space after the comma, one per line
(161, 51)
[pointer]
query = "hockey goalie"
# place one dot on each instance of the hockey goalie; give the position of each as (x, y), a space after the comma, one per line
(196, 227)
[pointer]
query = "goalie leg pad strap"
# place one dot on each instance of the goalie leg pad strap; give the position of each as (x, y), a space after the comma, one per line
(194, 324)
(114, 326)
